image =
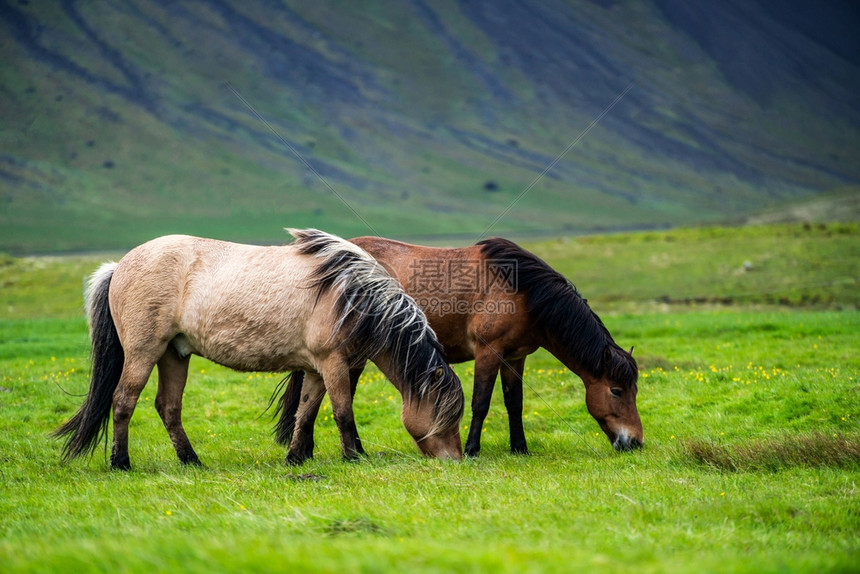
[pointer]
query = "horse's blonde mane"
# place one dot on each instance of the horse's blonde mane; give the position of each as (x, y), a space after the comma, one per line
(375, 315)
(364, 288)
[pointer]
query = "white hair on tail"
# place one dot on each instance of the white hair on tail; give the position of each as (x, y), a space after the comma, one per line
(99, 276)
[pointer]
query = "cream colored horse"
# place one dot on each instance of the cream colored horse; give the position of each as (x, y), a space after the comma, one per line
(321, 305)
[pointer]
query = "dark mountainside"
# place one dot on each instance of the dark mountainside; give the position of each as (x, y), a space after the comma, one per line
(127, 120)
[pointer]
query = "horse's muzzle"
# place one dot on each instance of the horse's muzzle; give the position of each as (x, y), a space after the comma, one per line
(445, 448)
(625, 443)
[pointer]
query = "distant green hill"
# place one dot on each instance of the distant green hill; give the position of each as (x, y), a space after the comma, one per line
(122, 121)
(841, 205)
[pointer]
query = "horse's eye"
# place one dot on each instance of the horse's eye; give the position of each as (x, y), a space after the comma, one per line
(616, 392)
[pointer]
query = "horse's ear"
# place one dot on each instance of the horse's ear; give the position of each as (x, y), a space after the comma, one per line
(631, 351)
(607, 355)
(438, 374)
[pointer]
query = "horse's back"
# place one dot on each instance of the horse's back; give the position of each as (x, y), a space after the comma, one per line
(203, 264)
(374, 244)
(413, 264)
(240, 305)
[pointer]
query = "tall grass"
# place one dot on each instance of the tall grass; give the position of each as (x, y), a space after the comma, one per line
(810, 450)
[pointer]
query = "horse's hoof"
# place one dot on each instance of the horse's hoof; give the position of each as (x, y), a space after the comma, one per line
(472, 451)
(190, 459)
(523, 450)
(295, 460)
(352, 457)
(120, 464)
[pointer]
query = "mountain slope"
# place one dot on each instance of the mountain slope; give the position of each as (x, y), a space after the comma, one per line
(125, 120)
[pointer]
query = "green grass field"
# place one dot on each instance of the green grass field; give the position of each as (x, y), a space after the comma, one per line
(749, 397)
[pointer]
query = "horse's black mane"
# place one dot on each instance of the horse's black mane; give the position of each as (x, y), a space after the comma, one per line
(377, 316)
(559, 310)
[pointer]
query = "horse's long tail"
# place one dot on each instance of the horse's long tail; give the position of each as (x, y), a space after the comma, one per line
(288, 406)
(86, 429)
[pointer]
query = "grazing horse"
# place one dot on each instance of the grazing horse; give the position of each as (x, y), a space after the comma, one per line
(496, 303)
(320, 304)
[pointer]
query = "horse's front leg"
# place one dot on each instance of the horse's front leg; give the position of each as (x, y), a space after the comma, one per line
(335, 373)
(487, 362)
(354, 376)
(512, 387)
(302, 443)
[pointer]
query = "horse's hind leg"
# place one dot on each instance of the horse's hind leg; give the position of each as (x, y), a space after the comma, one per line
(172, 376)
(135, 373)
(302, 444)
(512, 388)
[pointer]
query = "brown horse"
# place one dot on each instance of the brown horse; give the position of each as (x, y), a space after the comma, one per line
(496, 303)
(321, 304)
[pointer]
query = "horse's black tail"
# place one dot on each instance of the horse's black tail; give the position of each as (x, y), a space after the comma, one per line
(86, 429)
(288, 406)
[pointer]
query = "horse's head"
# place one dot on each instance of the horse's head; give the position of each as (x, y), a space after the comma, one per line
(433, 416)
(611, 399)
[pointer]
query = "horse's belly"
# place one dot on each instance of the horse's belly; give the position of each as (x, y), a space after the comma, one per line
(243, 349)
(264, 363)
(459, 353)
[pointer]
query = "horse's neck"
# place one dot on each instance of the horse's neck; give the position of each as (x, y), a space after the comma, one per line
(560, 351)
(383, 362)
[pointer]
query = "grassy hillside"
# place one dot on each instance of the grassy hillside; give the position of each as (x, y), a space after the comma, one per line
(123, 121)
(840, 205)
(790, 265)
(750, 464)
(796, 265)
